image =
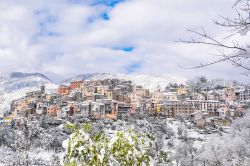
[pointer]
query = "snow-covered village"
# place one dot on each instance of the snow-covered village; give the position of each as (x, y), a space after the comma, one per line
(192, 123)
(124, 83)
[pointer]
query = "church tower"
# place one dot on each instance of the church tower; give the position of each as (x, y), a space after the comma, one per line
(158, 88)
(43, 89)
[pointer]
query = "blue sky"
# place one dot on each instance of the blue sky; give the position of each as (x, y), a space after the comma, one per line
(62, 38)
(111, 3)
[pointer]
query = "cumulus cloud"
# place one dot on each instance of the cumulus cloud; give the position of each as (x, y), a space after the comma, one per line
(66, 37)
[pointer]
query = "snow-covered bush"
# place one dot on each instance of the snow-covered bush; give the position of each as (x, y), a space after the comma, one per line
(123, 148)
(230, 149)
(182, 132)
(185, 154)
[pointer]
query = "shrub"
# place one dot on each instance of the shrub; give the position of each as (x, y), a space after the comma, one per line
(123, 148)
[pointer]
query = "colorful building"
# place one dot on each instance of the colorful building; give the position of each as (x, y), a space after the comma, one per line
(63, 90)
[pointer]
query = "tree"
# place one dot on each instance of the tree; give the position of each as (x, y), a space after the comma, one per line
(236, 53)
(25, 143)
(84, 147)
(229, 149)
(171, 87)
(185, 153)
(198, 83)
(27, 139)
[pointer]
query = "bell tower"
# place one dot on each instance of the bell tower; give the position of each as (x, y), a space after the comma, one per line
(158, 88)
(43, 89)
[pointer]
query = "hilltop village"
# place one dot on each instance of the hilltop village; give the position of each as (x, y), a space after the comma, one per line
(114, 99)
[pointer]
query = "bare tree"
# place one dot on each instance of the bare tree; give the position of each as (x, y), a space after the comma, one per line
(24, 144)
(235, 53)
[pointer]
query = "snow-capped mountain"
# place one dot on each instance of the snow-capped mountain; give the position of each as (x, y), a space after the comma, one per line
(149, 82)
(16, 85)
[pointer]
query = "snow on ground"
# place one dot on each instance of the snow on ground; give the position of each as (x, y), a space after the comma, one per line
(43, 157)
(166, 131)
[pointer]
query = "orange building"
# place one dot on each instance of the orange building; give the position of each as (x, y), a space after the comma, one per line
(63, 90)
(76, 84)
(52, 110)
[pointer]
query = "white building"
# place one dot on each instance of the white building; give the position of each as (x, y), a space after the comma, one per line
(205, 106)
(244, 95)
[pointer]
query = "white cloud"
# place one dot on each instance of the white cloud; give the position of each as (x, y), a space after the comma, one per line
(70, 38)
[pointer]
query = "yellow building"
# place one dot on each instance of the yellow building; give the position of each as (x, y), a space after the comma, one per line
(30, 100)
(108, 93)
(101, 89)
(159, 108)
(181, 90)
(7, 120)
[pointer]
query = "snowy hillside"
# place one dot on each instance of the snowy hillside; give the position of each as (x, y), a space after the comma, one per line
(149, 82)
(16, 85)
